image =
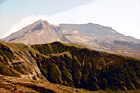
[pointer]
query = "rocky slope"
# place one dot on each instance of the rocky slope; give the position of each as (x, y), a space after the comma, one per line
(101, 38)
(37, 33)
(20, 85)
(91, 35)
(71, 65)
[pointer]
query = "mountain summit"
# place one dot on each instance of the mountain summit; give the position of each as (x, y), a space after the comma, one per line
(91, 35)
(37, 33)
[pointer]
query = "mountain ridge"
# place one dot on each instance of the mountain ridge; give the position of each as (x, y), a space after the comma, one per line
(91, 35)
(71, 65)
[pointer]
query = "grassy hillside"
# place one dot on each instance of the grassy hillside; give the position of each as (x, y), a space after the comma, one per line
(71, 65)
(16, 60)
(93, 70)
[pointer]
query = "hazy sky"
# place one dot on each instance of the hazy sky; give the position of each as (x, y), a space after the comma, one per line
(121, 15)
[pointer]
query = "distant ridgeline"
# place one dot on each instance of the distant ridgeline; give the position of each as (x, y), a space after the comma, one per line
(94, 36)
(70, 65)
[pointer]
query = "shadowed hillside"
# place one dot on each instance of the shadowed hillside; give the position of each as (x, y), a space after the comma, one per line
(71, 65)
(93, 70)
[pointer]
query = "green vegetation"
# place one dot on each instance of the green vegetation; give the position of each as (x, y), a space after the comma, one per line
(13, 60)
(5, 70)
(90, 69)
(71, 65)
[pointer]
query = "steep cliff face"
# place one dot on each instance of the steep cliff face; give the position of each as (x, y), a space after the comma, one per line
(70, 65)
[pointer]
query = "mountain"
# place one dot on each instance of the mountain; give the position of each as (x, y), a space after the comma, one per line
(103, 38)
(1, 40)
(36, 33)
(68, 64)
(94, 36)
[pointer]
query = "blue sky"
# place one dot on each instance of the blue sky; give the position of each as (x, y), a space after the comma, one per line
(122, 15)
(48, 7)
(13, 11)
